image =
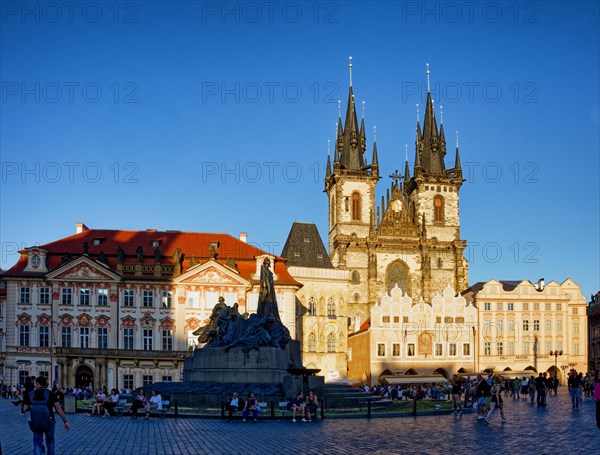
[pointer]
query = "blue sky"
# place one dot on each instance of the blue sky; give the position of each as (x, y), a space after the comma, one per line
(214, 117)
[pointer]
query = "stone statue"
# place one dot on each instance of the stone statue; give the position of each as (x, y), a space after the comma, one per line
(157, 255)
(102, 258)
(267, 302)
(66, 258)
(140, 254)
(229, 329)
(86, 247)
(120, 255)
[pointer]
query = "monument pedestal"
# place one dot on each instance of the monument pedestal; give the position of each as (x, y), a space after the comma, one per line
(266, 365)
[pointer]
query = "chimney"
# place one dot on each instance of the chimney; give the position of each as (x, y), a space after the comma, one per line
(80, 227)
(540, 284)
(244, 237)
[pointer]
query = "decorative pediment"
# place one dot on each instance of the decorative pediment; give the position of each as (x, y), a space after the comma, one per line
(192, 324)
(84, 320)
(102, 321)
(23, 319)
(128, 323)
(65, 320)
(43, 320)
(83, 269)
(147, 321)
(167, 324)
(211, 273)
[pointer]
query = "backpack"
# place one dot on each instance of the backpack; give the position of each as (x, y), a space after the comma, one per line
(39, 413)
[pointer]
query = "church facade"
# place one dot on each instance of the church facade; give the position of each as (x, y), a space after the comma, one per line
(410, 241)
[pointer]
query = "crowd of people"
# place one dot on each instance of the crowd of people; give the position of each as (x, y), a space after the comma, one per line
(306, 409)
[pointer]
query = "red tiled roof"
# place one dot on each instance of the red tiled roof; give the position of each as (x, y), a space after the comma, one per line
(192, 245)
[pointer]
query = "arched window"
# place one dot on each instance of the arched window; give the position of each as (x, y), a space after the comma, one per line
(438, 209)
(312, 342)
(398, 273)
(330, 307)
(355, 206)
(312, 306)
(355, 277)
(331, 343)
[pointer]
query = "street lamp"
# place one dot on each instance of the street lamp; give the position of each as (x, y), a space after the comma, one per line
(555, 354)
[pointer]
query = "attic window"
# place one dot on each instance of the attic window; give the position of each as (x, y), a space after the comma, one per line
(320, 255)
(96, 242)
(155, 243)
(306, 240)
(296, 254)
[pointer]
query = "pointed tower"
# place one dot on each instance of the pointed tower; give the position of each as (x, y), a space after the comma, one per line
(351, 184)
(433, 192)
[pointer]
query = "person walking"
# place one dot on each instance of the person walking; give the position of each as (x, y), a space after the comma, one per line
(540, 386)
(42, 406)
(496, 401)
(574, 384)
(455, 395)
(482, 391)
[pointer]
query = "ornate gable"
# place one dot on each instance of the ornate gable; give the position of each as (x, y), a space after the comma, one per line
(102, 321)
(212, 273)
(43, 320)
(84, 320)
(83, 269)
(147, 321)
(192, 324)
(65, 320)
(23, 319)
(167, 324)
(128, 323)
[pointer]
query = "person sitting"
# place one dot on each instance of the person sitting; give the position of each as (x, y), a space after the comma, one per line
(111, 403)
(298, 406)
(233, 406)
(251, 405)
(139, 402)
(98, 407)
(154, 403)
(312, 403)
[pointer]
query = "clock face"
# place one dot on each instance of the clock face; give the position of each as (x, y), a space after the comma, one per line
(35, 261)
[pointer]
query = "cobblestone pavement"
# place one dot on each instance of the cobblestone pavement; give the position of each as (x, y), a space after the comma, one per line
(553, 429)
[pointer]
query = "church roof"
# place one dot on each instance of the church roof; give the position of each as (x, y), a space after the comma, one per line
(195, 248)
(304, 247)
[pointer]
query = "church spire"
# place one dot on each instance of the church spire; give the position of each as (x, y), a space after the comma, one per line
(375, 161)
(432, 159)
(350, 145)
(363, 138)
(457, 158)
(406, 168)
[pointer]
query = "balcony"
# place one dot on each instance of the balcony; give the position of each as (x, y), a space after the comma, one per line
(94, 352)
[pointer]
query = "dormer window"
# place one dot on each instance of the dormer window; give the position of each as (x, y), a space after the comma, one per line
(306, 240)
(296, 254)
(96, 242)
(155, 244)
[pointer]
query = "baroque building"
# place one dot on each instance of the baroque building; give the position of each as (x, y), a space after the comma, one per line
(411, 240)
(521, 323)
(119, 308)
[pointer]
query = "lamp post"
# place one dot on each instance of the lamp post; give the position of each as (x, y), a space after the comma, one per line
(555, 354)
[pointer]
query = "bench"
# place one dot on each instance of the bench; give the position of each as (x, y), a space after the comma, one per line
(120, 407)
(283, 408)
(166, 404)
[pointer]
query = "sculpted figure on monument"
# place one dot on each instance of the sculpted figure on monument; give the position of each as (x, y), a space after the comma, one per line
(228, 328)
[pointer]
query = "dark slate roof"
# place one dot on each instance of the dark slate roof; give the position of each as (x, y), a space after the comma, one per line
(507, 285)
(304, 247)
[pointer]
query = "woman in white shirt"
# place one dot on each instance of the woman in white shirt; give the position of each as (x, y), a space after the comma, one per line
(154, 403)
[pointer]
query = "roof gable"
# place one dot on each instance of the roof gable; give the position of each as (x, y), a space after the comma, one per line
(83, 269)
(211, 272)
